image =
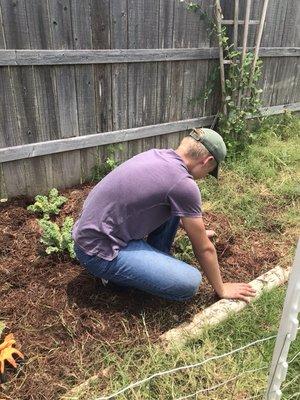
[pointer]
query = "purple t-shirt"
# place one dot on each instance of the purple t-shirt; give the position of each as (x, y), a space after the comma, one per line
(135, 199)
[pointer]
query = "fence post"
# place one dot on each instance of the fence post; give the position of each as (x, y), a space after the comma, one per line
(287, 332)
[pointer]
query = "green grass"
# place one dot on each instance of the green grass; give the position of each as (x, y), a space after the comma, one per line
(2, 327)
(262, 181)
(260, 320)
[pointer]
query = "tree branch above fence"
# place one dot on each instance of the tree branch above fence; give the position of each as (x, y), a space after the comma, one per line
(61, 57)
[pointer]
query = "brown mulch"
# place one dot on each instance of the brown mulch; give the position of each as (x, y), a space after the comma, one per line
(62, 317)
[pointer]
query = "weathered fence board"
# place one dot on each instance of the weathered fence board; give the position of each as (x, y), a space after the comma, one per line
(164, 69)
(66, 167)
(150, 18)
(16, 34)
(70, 68)
(85, 82)
(119, 78)
(101, 39)
(38, 30)
(136, 72)
(296, 84)
(178, 68)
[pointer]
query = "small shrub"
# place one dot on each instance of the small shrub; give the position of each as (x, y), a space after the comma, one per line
(234, 125)
(56, 239)
(110, 163)
(241, 94)
(48, 205)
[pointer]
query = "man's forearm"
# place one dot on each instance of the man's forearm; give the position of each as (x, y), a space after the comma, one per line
(206, 254)
(209, 262)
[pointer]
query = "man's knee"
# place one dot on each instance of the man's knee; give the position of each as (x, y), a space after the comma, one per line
(189, 285)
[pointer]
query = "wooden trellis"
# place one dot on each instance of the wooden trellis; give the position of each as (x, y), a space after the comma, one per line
(236, 22)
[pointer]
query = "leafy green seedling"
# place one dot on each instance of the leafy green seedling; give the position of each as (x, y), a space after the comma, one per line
(56, 239)
(183, 249)
(100, 170)
(48, 205)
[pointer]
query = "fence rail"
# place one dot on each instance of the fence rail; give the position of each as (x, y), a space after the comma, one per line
(74, 57)
(99, 139)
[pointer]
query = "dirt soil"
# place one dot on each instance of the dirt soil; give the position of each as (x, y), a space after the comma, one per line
(62, 317)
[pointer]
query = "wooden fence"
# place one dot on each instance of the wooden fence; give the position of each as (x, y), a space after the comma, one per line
(76, 75)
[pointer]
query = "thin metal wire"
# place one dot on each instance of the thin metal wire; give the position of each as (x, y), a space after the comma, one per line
(287, 384)
(254, 397)
(236, 377)
(184, 367)
(294, 358)
(290, 382)
(294, 395)
(220, 384)
(190, 366)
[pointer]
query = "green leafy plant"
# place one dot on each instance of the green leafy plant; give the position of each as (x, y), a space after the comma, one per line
(48, 205)
(192, 6)
(234, 124)
(212, 81)
(204, 16)
(241, 94)
(100, 170)
(56, 239)
(183, 249)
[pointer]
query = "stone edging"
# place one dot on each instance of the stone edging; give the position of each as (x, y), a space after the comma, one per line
(220, 310)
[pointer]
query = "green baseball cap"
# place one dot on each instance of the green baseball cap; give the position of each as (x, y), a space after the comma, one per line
(213, 142)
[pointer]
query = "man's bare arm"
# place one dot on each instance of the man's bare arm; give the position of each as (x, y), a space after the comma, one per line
(206, 254)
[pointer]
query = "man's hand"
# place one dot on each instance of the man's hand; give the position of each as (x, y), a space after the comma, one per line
(240, 291)
(206, 254)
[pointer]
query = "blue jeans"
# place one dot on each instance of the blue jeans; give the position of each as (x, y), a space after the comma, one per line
(148, 266)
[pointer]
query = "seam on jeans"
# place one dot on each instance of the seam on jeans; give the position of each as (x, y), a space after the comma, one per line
(88, 265)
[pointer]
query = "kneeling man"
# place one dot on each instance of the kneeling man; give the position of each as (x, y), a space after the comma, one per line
(129, 220)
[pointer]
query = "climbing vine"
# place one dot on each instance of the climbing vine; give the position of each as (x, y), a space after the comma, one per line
(242, 98)
(241, 94)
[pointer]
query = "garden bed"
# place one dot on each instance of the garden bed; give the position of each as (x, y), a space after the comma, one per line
(62, 317)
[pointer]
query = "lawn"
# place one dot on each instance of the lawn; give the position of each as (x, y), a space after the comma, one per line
(258, 321)
(71, 328)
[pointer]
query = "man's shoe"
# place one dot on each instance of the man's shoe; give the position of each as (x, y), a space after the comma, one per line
(104, 282)
(113, 286)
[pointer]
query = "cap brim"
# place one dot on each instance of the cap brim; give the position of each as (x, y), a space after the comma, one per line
(215, 172)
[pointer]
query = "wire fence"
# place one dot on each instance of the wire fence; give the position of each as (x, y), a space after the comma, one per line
(288, 330)
(199, 364)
